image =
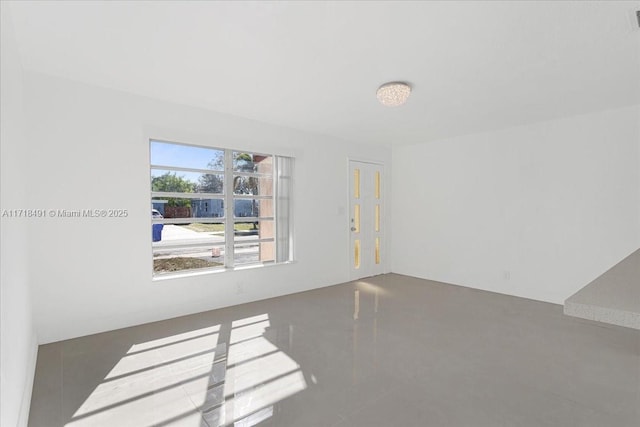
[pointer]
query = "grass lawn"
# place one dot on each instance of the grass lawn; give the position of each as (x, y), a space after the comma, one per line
(215, 227)
(181, 263)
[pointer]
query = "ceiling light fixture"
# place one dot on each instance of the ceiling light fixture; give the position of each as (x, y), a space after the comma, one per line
(393, 94)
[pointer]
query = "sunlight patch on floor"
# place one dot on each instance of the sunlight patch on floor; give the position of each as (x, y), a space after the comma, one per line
(196, 379)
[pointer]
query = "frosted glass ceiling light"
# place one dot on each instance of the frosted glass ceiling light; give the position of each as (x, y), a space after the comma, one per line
(393, 94)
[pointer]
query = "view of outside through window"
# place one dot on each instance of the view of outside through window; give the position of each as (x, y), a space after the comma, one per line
(214, 208)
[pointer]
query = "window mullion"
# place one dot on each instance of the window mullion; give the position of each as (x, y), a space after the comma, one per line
(228, 209)
(275, 172)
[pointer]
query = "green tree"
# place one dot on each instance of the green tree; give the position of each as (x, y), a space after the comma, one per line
(170, 182)
(243, 162)
(209, 183)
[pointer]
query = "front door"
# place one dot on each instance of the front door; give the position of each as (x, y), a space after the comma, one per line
(365, 219)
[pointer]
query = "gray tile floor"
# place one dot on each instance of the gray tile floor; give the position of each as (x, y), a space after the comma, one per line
(389, 350)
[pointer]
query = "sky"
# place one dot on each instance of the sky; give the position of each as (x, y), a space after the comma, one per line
(186, 156)
(179, 155)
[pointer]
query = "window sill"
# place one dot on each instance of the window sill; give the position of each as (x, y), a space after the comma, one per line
(207, 271)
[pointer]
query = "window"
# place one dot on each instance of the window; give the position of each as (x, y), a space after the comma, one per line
(216, 208)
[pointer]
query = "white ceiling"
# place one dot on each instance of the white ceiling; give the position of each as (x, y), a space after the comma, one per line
(315, 66)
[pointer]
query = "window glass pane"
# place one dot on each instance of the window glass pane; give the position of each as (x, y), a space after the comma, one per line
(356, 183)
(195, 233)
(175, 182)
(188, 258)
(180, 208)
(377, 185)
(249, 162)
(377, 218)
(246, 229)
(247, 254)
(356, 218)
(253, 253)
(267, 251)
(356, 254)
(254, 186)
(377, 250)
(266, 229)
(186, 182)
(210, 183)
(263, 229)
(186, 247)
(186, 156)
(246, 208)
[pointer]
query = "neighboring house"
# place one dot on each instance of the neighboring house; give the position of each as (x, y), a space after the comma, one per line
(214, 208)
(208, 208)
(159, 205)
(246, 208)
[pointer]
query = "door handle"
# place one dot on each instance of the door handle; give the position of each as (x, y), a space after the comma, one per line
(353, 229)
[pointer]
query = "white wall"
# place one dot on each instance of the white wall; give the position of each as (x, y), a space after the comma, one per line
(18, 347)
(89, 149)
(535, 211)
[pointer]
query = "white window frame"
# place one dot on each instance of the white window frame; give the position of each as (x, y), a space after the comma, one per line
(229, 220)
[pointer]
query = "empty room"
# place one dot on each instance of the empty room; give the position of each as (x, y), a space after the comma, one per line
(322, 213)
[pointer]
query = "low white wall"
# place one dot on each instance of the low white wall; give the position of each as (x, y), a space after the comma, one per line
(535, 211)
(19, 346)
(89, 149)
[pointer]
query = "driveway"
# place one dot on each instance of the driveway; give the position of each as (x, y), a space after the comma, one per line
(173, 235)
